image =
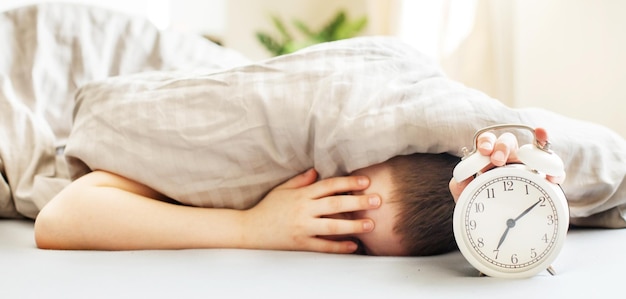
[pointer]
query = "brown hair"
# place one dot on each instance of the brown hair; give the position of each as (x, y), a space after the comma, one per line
(424, 202)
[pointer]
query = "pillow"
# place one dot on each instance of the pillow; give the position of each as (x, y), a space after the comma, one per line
(224, 139)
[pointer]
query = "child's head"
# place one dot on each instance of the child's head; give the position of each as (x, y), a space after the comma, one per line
(425, 205)
(416, 215)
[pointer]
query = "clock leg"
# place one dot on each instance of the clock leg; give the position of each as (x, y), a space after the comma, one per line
(551, 270)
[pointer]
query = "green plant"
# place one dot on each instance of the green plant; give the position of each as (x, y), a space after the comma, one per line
(338, 28)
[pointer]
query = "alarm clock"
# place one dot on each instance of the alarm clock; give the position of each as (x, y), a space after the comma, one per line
(511, 221)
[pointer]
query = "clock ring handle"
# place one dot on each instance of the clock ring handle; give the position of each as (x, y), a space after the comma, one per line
(538, 156)
(545, 147)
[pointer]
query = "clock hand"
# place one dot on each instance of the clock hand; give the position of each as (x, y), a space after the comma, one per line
(503, 237)
(527, 210)
(510, 223)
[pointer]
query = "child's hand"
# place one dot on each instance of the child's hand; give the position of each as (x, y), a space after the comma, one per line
(502, 150)
(293, 215)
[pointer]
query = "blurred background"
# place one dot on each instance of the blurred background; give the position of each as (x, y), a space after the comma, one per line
(563, 55)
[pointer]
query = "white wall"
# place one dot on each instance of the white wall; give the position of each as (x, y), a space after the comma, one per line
(570, 57)
(563, 55)
(204, 16)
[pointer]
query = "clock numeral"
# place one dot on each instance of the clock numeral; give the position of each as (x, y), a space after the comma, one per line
(550, 219)
(526, 189)
(496, 251)
(480, 207)
(481, 242)
(472, 224)
(545, 238)
(508, 185)
(514, 259)
(543, 201)
(533, 253)
(491, 193)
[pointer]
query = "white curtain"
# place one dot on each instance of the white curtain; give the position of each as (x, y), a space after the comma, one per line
(471, 39)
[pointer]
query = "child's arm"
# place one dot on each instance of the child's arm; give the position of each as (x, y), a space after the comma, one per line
(105, 211)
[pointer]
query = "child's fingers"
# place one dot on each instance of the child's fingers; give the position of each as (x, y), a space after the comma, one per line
(456, 188)
(304, 179)
(334, 227)
(337, 204)
(330, 246)
(556, 179)
(504, 149)
(542, 136)
(485, 143)
(337, 185)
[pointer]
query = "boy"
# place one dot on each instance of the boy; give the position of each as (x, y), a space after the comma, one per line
(192, 135)
(398, 207)
(376, 90)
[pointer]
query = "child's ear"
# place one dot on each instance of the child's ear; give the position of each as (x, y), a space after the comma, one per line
(304, 179)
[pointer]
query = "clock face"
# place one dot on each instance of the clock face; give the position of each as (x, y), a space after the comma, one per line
(510, 222)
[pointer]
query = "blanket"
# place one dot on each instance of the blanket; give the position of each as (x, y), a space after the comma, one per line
(224, 138)
(48, 51)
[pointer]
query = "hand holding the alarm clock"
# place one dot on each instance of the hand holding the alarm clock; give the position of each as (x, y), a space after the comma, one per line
(502, 150)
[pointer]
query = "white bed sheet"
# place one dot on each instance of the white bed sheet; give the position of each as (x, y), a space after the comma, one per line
(590, 266)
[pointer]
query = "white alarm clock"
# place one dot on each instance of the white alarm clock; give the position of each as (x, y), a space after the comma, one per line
(511, 221)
